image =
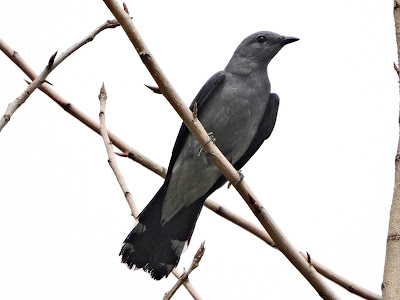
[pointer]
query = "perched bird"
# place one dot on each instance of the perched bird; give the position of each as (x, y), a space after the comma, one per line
(237, 107)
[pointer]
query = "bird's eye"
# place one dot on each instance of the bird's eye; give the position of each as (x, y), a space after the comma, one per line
(261, 39)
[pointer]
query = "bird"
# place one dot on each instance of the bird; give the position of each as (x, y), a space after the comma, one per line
(238, 109)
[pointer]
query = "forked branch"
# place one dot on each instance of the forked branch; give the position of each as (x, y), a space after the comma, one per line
(217, 157)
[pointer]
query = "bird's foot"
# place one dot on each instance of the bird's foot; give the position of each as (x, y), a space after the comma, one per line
(241, 177)
(212, 139)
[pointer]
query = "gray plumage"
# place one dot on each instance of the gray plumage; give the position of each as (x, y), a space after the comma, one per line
(237, 106)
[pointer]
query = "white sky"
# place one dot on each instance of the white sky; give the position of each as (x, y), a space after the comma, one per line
(325, 175)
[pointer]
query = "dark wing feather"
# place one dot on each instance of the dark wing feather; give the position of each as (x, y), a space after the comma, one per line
(201, 98)
(264, 131)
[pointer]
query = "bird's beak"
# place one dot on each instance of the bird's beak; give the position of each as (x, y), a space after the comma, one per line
(288, 39)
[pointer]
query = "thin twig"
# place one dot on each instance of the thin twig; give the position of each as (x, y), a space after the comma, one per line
(155, 89)
(52, 64)
(110, 153)
(185, 276)
(161, 171)
(217, 157)
(113, 164)
(78, 114)
(85, 119)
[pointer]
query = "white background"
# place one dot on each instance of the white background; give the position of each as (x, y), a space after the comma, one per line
(325, 175)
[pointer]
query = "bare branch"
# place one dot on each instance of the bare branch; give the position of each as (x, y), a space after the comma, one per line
(53, 63)
(113, 164)
(81, 116)
(136, 156)
(391, 278)
(217, 157)
(155, 89)
(343, 282)
(110, 153)
(185, 276)
(78, 114)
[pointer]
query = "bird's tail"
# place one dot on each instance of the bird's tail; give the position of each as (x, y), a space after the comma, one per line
(157, 246)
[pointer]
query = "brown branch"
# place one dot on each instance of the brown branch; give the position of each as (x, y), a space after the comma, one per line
(185, 276)
(52, 64)
(391, 277)
(217, 157)
(343, 282)
(155, 89)
(110, 153)
(78, 114)
(113, 164)
(81, 116)
(133, 154)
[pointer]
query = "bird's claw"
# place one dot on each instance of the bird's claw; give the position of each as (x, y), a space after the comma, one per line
(212, 139)
(241, 177)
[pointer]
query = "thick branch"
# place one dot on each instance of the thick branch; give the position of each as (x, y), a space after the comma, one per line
(217, 157)
(391, 277)
(53, 63)
(151, 165)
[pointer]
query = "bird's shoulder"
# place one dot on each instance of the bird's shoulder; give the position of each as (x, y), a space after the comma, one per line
(201, 98)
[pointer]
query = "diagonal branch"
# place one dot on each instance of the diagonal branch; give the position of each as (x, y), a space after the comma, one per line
(53, 63)
(217, 157)
(81, 116)
(78, 114)
(161, 171)
(110, 153)
(391, 278)
(185, 276)
(113, 164)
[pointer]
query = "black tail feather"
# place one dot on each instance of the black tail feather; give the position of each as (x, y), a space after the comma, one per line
(157, 246)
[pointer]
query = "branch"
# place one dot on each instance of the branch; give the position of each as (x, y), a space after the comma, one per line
(391, 278)
(217, 157)
(185, 276)
(78, 114)
(81, 116)
(343, 282)
(52, 64)
(110, 153)
(136, 156)
(113, 164)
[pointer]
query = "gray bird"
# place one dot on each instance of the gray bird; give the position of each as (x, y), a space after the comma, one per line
(237, 107)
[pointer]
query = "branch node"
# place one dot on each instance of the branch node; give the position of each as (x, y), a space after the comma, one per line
(396, 68)
(103, 93)
(155, 89)
(145, 57)
(195, 110)
(122, 154)
(51, 60)
(125, 8)
(113, 23)
(393, 237)
(308, 257)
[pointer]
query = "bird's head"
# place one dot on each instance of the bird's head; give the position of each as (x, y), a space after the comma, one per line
(260, 47)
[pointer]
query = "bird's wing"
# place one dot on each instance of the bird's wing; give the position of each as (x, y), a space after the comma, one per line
(264, 131)
(201, 98)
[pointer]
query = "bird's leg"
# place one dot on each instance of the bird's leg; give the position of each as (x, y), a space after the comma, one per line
(241, 177)
(212, 139)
